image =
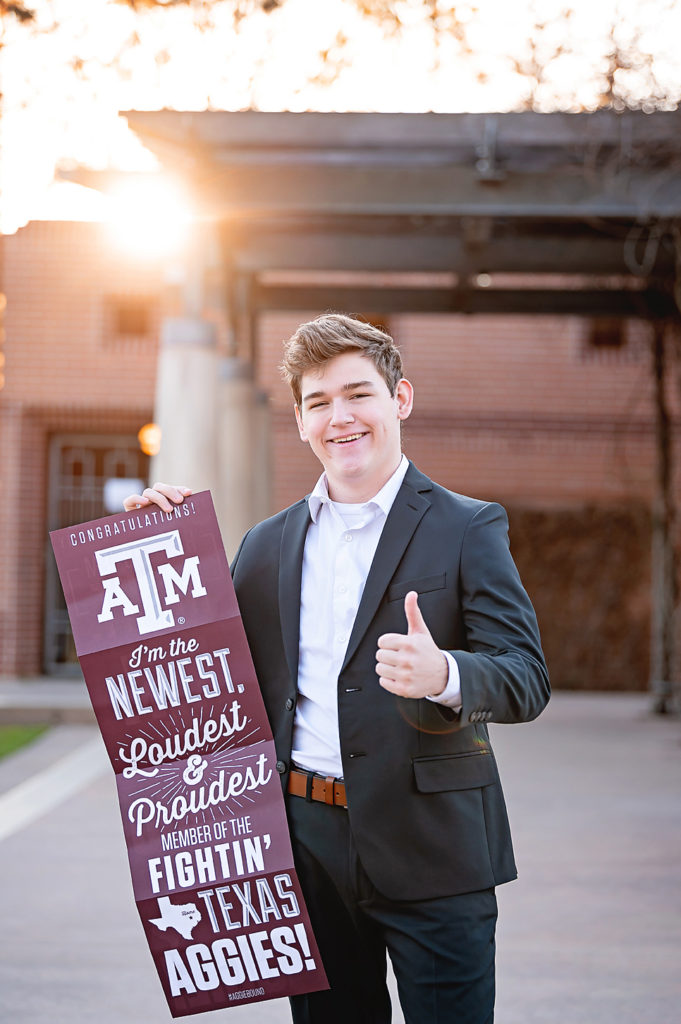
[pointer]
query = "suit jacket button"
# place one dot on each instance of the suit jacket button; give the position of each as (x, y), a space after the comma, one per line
(281, 767)
(290, 703)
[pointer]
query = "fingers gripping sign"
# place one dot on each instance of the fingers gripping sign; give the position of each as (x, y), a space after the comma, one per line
(163, 495)
(411, 664)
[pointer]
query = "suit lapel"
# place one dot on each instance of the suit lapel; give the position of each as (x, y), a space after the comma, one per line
(290, 576)
(408, 509)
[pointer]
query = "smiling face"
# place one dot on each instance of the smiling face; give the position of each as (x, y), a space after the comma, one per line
(352, 423)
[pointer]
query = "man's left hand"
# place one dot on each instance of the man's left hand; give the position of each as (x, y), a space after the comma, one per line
(411, 665)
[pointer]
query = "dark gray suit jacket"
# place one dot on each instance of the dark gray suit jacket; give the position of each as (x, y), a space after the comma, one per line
(425, 802)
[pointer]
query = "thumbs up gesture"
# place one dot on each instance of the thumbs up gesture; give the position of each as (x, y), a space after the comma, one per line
(411, 664)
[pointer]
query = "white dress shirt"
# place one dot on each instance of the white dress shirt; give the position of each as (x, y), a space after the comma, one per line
(339, 548)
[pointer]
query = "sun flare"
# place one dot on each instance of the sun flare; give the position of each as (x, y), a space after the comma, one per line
(148, 218)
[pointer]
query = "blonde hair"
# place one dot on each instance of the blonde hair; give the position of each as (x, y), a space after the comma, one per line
(332, 334)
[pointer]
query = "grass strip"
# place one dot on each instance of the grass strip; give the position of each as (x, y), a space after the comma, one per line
(12, 737)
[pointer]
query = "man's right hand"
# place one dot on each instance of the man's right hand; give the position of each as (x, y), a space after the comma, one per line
(163, 495)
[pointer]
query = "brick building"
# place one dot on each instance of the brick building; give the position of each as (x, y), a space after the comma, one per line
(79, 380)
(551, 415)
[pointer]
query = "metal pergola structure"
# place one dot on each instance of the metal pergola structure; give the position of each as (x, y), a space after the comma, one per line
(591, 202)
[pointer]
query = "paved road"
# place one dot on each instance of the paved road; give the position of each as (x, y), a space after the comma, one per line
(589, 934)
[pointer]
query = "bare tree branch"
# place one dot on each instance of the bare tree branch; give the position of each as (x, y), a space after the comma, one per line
(242, 8)
(17, 10)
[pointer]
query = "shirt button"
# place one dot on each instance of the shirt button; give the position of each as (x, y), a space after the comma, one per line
(281, 767)
(347, 536)
(342, 589)
(340, 639)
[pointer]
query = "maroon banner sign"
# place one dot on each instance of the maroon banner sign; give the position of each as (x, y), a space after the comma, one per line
(164, 654)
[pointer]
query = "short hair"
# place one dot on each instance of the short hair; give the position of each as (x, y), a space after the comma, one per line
(332, 334)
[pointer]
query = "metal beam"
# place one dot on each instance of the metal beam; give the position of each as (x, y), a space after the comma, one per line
(250, 163)
(422, 133)
(248, 191)
(646, 305)
(261, 250)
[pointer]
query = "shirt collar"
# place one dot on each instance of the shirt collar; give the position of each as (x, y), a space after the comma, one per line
(384, 499)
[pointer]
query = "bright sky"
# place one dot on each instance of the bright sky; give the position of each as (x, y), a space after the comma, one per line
(54, 115)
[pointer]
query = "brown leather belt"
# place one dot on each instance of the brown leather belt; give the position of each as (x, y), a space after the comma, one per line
(315, 787)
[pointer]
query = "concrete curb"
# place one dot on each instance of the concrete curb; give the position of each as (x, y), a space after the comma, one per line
(43, 700)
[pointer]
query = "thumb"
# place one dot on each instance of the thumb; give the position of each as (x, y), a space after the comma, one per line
(415, 621)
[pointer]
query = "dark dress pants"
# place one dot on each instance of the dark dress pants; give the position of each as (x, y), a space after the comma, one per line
(442, 950)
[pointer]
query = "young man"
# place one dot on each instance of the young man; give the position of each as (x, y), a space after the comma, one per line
(388, 625)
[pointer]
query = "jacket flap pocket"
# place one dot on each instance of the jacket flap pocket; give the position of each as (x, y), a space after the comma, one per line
(454, 771)
(421, 585)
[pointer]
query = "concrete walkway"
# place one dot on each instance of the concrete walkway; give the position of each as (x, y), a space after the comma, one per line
(589, 934)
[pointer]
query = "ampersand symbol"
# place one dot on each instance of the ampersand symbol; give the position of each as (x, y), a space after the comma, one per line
(193, 773)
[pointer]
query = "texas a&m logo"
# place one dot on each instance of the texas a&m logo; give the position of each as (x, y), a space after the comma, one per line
(155, 612)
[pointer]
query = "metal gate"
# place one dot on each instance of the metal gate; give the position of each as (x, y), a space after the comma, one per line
(79, 467)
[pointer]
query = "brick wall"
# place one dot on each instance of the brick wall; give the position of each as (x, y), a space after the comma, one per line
(516, 409)
(62, 281)
(66, 370)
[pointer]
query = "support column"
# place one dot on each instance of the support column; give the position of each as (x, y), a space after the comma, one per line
(186, 396)
(10, 552)
(664, 589)
(214, 423)
(242, 496)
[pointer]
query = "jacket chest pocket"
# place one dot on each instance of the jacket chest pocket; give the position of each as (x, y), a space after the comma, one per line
(422, 585)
